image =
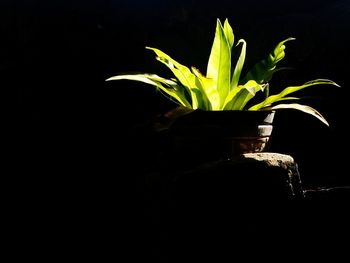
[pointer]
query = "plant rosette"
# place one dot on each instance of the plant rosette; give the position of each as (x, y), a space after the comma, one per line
(225, 91)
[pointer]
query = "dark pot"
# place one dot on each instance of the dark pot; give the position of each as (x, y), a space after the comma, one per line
(211, 135)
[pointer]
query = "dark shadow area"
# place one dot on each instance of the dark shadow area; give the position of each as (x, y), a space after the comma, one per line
(224, 212)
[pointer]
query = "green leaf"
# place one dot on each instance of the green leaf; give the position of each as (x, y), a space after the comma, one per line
(219, 64)
(288, 98)
(303, 108)
(262, 71)
(207, 86)
(181, 72)
(229, 33)
(239, 65)
(229, 101)
(275, 98)
(243, 95)
(173, 89)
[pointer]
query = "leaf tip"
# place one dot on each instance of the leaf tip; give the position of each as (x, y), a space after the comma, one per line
(336, 84)
(218, 23)
(109, 79)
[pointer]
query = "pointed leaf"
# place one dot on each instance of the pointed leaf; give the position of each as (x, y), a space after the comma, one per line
(262, 72)
(207, 87)
(303, 108)
(181, 72)
(288, 98)
(245, 93)
(275, 98)
(239, 66)
(229, 33)
(173, 89)
(228, 104)
(219, 64)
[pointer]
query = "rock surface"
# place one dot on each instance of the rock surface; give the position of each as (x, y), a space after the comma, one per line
(219, 207)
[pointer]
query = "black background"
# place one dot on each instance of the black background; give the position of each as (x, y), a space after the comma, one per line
(76, 138)
(57, 54)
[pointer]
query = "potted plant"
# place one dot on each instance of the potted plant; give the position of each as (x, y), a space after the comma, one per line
(224, 111)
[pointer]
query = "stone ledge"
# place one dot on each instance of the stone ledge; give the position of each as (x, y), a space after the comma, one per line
(265, 172)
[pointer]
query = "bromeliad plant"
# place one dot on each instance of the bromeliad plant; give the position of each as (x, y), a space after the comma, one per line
(223, 88)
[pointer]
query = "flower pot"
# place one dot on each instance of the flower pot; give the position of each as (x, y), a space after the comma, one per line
(212, 135)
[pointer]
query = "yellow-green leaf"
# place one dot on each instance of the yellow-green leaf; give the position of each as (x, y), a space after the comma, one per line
(219, 64)
(229, 33)
(275, 98)
(303, 108)
(173, 89)
(243, 95)
(262, 71)
(239, 65)
(207, 86)
(181, 72)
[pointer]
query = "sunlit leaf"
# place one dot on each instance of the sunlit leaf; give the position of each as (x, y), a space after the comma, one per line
(211, 95)
(288, 98)
(239, 66)
(181, 72)
(229, 33)
(275, 98)
(222, 89)
(262, 72)
(303, 108)
(172, 88)
(219, 64)
(244, 94)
